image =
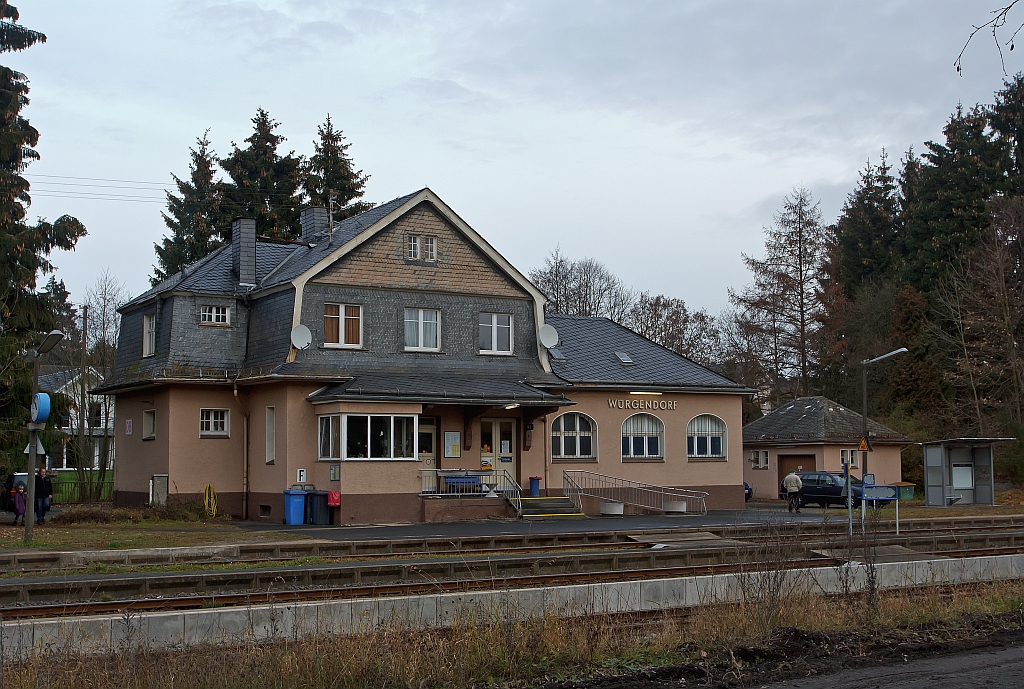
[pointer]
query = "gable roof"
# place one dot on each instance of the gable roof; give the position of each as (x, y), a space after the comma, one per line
(817, 420)
(587, 353)
(57, 380)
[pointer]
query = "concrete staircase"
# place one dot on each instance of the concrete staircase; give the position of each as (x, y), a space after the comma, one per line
(554, 507)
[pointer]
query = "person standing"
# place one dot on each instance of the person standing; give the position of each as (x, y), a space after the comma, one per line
(20, 500)
(44, 491)
(792, 484)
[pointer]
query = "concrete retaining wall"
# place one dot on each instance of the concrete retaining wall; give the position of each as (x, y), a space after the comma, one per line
(101, 634)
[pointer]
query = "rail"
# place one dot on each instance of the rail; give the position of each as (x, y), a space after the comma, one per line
(468, 482)
(577, 483)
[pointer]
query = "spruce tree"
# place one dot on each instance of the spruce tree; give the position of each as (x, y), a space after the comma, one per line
(194, 217)
(264, 185)
(1006, 117)
(950, 209)
(25, 310)
(329, 172)
(867, 228)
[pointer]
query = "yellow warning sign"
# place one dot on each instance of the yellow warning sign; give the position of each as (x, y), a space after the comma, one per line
(863, 447)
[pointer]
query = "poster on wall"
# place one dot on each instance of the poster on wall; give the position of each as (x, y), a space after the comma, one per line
(452, 444)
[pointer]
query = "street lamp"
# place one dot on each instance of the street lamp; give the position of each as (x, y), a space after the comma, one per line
(37, 422)
(864, 418)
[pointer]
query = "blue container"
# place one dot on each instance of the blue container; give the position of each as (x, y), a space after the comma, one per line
(294, 507)
(535, 486)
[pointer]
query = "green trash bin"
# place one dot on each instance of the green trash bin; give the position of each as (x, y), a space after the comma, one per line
(906, 490)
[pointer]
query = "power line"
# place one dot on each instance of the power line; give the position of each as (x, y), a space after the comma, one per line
(97, 198)
(91, 179)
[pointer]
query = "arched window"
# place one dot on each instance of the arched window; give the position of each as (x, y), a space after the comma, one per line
(643, 437)
(573, 437)
(705, 436)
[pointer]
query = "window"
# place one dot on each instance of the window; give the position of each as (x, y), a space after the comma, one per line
(643, 437)
(850, 457)
(214, 315)
(495, 333)
(271, 435)
(421, 248)
(213, 423)
(149, 424)
(572, 437)
(367, 436)
(759, 459)
(705, 437)
(343, 325)
(422, 329)
(149, 334)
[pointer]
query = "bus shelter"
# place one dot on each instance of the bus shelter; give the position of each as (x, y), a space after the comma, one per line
(959, 471)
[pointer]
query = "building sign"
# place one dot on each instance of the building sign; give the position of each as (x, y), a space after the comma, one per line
(641, 404)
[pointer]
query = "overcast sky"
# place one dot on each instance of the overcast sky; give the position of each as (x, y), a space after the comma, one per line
(657, 137)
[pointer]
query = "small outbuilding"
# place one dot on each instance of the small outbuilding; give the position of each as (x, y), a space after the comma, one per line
(816, 434)
(960, 471)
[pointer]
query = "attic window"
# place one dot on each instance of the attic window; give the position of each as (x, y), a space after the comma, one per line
(624, 358)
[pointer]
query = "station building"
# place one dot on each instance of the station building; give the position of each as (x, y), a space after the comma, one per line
(817, 434)
(379, 356)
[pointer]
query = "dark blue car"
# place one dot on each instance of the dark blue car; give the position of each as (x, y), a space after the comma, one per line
(824, 488)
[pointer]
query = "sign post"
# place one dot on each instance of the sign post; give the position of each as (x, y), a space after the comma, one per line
(886, 494)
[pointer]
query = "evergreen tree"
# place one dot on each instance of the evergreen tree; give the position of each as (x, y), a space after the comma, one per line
(194, 217)
(264, 185)
(949, 210)
(25, 311)
(1006, 117)
(329, 172)
(867, 229)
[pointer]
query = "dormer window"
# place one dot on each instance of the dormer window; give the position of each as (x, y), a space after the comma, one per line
(343, 325)
(149, 334)
(215, 315)
(421, 248)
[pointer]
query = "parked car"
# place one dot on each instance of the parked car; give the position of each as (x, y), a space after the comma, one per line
(824, 488)
(748, 492)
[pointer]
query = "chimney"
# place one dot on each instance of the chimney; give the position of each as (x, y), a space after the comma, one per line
(243, 250)
(314, 220)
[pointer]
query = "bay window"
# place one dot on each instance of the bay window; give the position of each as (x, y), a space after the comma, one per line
(367, 436)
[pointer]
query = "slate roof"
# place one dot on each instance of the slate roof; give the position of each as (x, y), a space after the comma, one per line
(587, 347)
(56, 379)
(817, 420)
(441, 388)
(276, 264)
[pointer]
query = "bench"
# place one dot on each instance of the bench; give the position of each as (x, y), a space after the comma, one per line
(462, 484)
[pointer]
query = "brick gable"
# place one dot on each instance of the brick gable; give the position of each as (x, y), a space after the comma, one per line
(460, 268)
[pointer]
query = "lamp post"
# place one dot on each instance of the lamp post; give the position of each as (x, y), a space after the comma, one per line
(37, 422)
(864, 417)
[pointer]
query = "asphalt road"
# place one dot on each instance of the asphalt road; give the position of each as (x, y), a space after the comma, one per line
(753, 515)
(993, 669)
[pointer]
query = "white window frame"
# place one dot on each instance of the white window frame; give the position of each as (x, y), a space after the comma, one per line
(148, 424)
(851, 456)
(759, 459)
(341, 454)
(577, 433)
(412, 247)
(211, 314)
(428, 248)
(723, 434)
(271, 433)
(148, 334)
(419, 316)
(494, 334)
(341, 344)
(660, 435)
(209, 422)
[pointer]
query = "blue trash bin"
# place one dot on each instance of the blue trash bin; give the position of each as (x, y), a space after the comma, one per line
(535, 486)
(294, 507)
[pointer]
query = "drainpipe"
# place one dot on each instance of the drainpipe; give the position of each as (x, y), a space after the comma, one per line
(547, 448)
(245, 453)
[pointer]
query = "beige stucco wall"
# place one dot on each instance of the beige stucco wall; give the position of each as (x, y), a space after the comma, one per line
(139, 459)
(194, 461)
(884, 462)
(677, 469)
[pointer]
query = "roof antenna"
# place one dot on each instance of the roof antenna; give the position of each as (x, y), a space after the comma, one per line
(330, 217)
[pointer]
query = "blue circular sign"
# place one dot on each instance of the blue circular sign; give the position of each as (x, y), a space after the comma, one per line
(40, 410)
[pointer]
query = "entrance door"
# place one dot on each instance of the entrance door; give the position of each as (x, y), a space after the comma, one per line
(498, 445)
(427, 442)
(789, 463)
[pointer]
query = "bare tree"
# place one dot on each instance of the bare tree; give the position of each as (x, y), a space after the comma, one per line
(667, 321)
(582, 288)
(783, 299)
(999, 18)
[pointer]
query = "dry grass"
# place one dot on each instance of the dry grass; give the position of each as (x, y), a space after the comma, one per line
(502, 652)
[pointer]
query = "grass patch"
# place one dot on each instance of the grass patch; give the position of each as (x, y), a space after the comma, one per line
(712, 644)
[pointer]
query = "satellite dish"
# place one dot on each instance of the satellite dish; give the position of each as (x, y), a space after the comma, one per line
(301, 337)
(548, 335)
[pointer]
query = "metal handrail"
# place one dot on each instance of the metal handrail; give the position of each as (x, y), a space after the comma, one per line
(498, 480)
(577, 483)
